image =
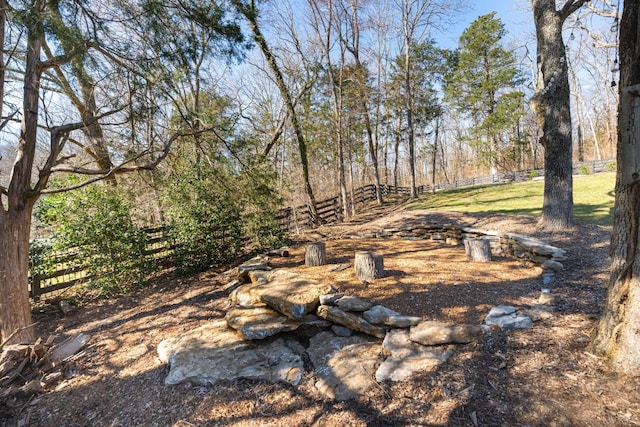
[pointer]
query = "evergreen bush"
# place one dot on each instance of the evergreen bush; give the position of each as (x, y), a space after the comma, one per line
(96, 223)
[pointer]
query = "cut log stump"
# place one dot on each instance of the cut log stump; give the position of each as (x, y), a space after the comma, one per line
(478, 250)
(368, 265)
(315, 254)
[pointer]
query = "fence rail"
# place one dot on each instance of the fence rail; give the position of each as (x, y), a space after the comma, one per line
(68, 270)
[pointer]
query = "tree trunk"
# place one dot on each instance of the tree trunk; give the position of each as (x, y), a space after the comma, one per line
(435, 156)
(396, 152)
(15, 214)
(552, 105)
(15, 309)
(618, 336)
(409, 99)
(368, 265)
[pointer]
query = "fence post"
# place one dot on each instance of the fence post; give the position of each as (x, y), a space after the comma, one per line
(36, 287)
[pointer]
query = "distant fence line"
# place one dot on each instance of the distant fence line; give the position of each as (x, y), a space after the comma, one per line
(330, 210)
(66, 268)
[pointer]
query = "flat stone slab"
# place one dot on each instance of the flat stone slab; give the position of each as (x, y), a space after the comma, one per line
(351, 303)
(291, 294)
(406, 357)
(215, 352)
(244, 296)
(381, 315)
(350, 320)
(254, 264)
(258, 323)
(437, 333)
(345, 366)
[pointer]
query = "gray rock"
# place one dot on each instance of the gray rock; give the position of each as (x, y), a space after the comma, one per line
(258, 323)
(257, 263)
(351, 303)
(291, 294)
(548, 278)
(502, 310)
(406, 357)
(438, 333)
(559, 255)
(507, 317)
(345, 366)
(329, 299)
(552, 265)
(341, 331)
(350, 320)
(381, 315)
(214, 352)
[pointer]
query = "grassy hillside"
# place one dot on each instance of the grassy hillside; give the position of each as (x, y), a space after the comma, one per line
(593, 197)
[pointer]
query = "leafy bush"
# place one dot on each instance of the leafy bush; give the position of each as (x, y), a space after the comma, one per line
(214, 213)
(611, 166)
(584, 170)
(96, 222)
(41, 257)
(533, 174)
(204, 222)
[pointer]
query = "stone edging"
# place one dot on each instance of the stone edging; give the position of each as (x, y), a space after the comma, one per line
(518, 246)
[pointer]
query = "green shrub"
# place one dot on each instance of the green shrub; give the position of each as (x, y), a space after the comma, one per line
(216, 214)
(533, 174)
(584, 170)
(611, 166)
(204, 221)
(96, 222)
(41, 257)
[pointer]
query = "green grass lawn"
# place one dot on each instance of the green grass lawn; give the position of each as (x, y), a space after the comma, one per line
(593, 197)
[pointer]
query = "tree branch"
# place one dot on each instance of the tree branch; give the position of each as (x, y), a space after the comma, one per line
(570, 7)
(101, 174)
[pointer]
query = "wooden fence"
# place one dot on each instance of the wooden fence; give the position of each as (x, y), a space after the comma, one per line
(54, 271)
(68, 270)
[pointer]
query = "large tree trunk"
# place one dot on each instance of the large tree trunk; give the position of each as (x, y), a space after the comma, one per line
(552, 104)
(408, 98)
(15, 215)
(15, 309)
(618, 336)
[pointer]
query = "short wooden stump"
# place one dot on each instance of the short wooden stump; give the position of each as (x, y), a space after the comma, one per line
(478, 250)
(368, 265)
(315, 254)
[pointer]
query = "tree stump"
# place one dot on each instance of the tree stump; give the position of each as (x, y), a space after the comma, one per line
(368, 265)
(315, 254)
(478, 250)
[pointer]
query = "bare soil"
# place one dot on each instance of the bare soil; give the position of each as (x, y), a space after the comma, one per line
(543, 376)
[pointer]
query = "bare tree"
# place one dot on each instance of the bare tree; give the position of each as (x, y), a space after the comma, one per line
(250, 12)
(417, 18)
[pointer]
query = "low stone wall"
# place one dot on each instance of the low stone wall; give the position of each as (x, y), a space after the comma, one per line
(517, 246)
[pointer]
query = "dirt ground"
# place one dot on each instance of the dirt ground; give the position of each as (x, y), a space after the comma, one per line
(543, 376)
